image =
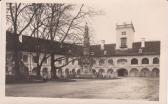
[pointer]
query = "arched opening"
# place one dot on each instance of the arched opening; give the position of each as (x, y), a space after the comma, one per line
(134, 61)
(73, 73)
(94, 71)
(155, 72)
(110, 62)
(45, 73)
(145, 72)
(78, 72)
(134, 72)
(60, 73)
(121, 61)
(67, 72)
(100, 73)
(122, 72)
(34, 71)
(101, 62)
(156, 60)
(145, 61)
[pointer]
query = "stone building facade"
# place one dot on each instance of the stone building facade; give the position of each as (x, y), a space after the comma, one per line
(126, 58)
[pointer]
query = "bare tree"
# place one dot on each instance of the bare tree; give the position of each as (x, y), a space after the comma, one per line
(66, 23)
(15, 11)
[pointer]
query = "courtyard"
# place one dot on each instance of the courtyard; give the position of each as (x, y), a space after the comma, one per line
(126, 88)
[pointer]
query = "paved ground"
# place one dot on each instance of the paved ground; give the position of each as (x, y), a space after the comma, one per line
(125, 88)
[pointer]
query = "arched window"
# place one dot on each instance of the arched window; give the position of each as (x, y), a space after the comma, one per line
(145, 61)
(110, 61)
(156, 60)
(134, 61)
(101, 62)
(121, 61)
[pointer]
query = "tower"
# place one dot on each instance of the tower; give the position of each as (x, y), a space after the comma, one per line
(86, 66)
(125, 36)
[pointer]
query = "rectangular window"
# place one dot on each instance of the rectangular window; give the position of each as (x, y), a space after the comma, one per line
(123, 42)
(25, 58)
(35, 59)
(123, 33)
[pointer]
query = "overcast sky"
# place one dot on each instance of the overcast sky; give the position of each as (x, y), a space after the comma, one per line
(149, 17)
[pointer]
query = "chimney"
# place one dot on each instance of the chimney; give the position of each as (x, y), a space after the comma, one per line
(102, 44)
(142, 42)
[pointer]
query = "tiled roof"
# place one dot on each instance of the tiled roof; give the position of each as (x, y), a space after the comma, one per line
(151, 48)
(31, 44)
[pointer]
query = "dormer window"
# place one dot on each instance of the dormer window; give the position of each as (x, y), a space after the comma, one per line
(105, 52)
(123, 33)
(92, 53)
(140, 50)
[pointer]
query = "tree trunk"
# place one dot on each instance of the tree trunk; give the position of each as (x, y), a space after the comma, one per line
(53, 70)
(38, 70)
(17, 59)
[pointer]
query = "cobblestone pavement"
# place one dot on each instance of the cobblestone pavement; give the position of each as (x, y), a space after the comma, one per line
(124, 88)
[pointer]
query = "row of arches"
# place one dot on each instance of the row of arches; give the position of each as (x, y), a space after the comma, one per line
(145, 61)
(145, 72)
(133, 61)
(134, 72)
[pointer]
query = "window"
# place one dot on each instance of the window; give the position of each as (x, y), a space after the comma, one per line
(155, 60)
(134, 61)
(121, 61)
(45, 61)
(73, 61)
(123, 42)
(140, 50)
(110, 61)
(123, 33)
(101, 62)
(105, 52)
(25, 58)
(145, 61)
(35, 59)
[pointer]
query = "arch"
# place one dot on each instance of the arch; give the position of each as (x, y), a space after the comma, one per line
(122, 72)
(73, 73)
(45, 73)
(145, 61)
(34, 71)
(110, 71)
(100, 73)
(45, 70)
(134, 61)
(110, 62)
(101, 61)
(134, 72)
(60, 72)
(94, 71)
(78, 72)
(155, 60)
(155, 72)
(67, 72)
(145, 72)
